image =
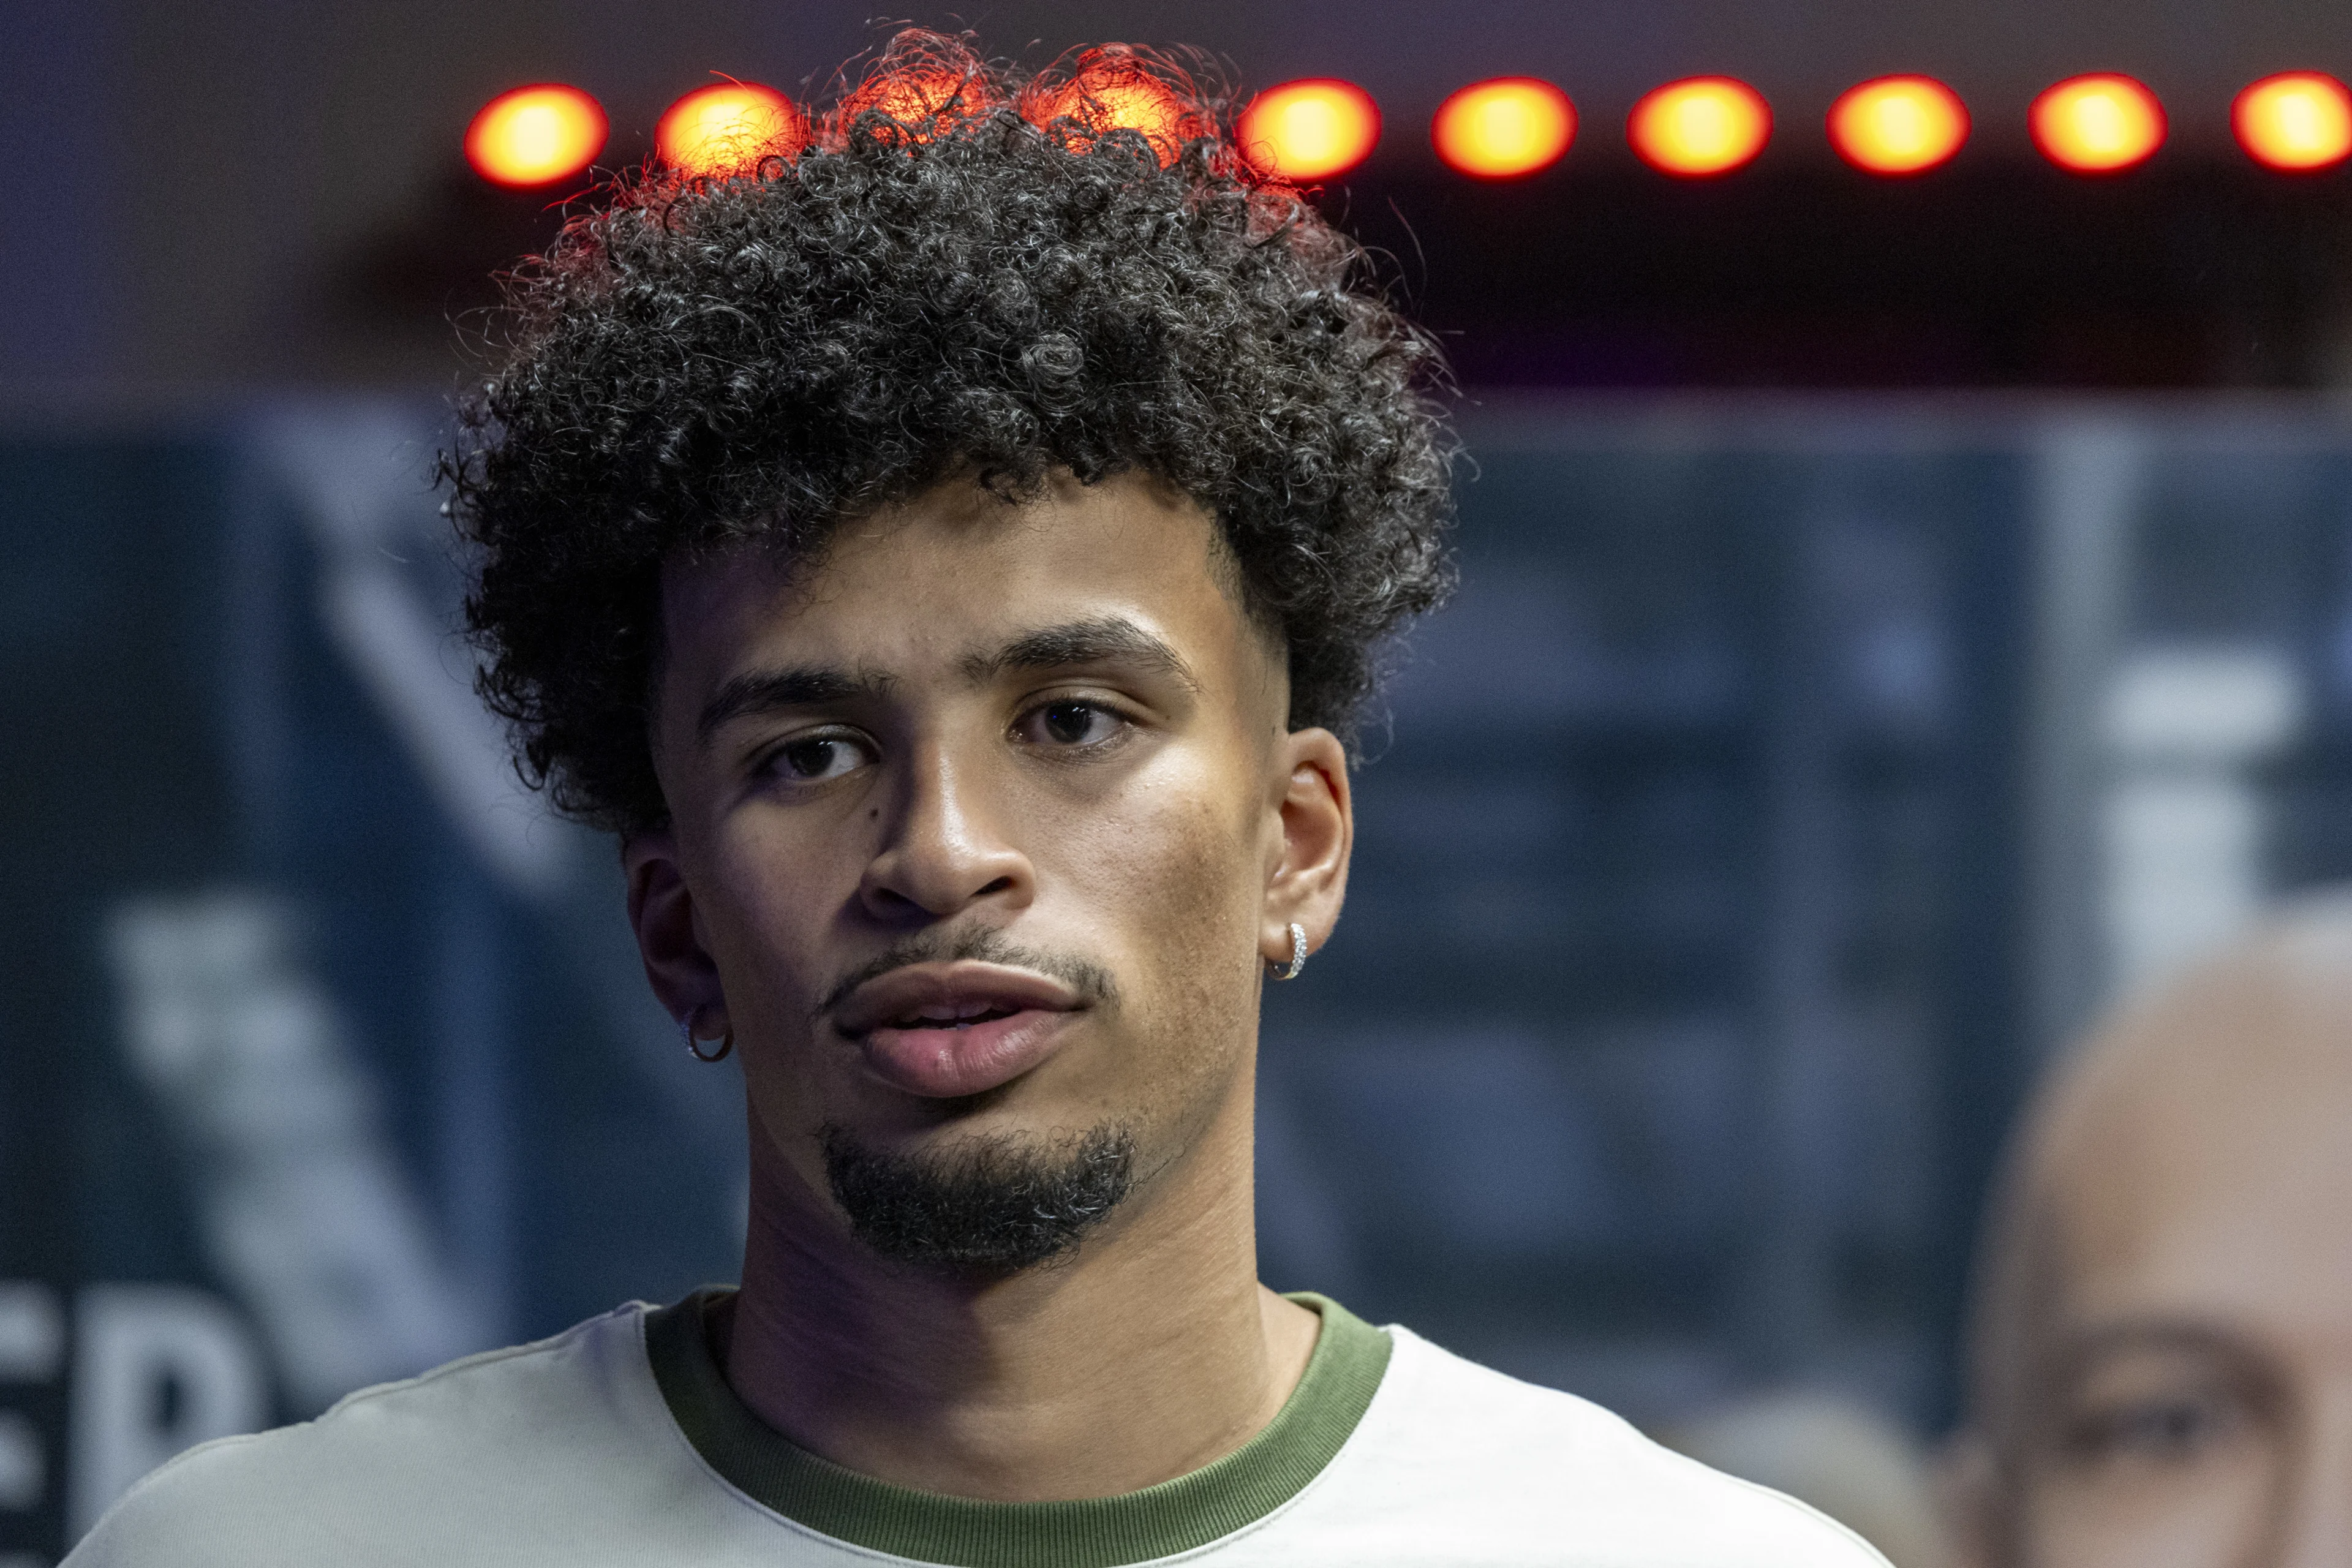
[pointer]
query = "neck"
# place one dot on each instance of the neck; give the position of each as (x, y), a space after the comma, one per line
(1026, 1388)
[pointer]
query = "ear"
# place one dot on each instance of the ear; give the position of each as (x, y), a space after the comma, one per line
(661, 909)
(1967, 1496)
(1306, 870)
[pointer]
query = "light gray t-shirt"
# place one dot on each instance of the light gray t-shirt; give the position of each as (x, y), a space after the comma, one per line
(619, 1445)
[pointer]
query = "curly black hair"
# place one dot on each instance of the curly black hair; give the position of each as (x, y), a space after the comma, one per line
(960, 271)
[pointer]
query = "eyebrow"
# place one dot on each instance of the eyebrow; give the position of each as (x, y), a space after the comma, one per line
(1111, 638)
(2084, 1345)
(1106, 640)
(771, 691)
(2077, 1352)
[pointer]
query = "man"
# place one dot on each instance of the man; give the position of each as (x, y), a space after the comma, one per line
(950, 555)
(2163, 1359)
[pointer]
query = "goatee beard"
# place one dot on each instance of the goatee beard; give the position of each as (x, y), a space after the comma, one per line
(996, 1202)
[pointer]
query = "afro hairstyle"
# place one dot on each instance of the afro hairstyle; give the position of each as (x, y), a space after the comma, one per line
(963, 273)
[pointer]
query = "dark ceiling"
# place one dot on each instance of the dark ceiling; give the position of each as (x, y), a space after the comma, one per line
(264, 190)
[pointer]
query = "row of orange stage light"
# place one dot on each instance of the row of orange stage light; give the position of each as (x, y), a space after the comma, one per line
(1512, 126)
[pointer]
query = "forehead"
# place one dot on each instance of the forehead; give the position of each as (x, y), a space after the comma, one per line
(2208, 1169)
(931, 581)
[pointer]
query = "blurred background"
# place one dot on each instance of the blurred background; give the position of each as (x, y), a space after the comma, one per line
(1899, 615)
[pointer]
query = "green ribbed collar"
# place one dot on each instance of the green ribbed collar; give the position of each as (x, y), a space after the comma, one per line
(1092, 1532)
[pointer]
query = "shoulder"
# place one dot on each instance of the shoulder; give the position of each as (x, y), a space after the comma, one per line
(1541, 1465)
(397, 1470)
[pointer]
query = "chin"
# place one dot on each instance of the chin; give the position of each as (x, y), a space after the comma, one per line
(992, 1199)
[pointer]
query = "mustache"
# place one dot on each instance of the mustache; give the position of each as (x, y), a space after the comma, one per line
(980, 944)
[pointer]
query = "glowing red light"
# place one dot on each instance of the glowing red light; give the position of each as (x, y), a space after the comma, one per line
(1311, 129)
(1898, 124)
(927, 101)
(1508, 126)
(2295, 120)
(2098, 124)
(729, 126)
(1699, 126)
(535, 135)
(1116, 92)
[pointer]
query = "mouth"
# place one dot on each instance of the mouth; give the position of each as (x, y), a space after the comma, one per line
(944, 1031)
(952, 1015)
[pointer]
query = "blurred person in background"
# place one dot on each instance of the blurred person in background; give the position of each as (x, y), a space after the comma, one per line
(950, 556)
(2162, 1359)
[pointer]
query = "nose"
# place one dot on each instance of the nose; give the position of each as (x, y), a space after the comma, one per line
(942, 850)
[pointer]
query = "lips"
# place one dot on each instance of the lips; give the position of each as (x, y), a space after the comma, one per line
(947, 1030)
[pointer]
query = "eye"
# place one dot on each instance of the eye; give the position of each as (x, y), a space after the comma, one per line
(815, 759)
(2169, 1429)
(1070, 723)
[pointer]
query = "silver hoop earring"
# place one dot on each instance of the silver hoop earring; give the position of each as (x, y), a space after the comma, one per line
(694, 1046)
(1297, 954)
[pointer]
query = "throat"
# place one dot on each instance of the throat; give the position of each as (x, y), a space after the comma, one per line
(991, 1419)
(1009, 1384)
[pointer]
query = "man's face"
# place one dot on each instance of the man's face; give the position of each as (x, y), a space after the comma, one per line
(2190, 1399)
(977, 823)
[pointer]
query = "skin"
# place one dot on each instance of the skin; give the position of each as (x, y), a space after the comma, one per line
(1129, 799)
(2165, 1370)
